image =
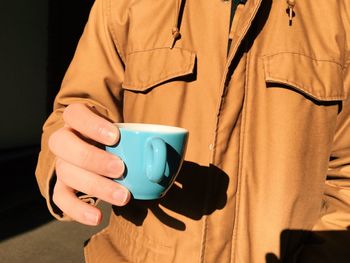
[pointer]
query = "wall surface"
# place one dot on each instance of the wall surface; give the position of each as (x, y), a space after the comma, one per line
(23, 71)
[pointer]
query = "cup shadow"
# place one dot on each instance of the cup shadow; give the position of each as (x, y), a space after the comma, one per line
(191, 196)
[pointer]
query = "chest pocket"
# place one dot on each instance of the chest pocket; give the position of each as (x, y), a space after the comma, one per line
(319, 79)
(147, 69)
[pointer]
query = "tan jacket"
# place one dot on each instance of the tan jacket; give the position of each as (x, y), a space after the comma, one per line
(268, 159)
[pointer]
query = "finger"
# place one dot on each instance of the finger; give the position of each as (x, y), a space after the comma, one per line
(82, 119)
(92, 184)
(68, 146)
(65, 198)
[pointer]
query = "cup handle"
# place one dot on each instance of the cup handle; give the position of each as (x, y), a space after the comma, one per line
(155, 156)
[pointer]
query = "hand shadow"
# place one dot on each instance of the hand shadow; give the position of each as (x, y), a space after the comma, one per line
(197, 191)
(303, 246)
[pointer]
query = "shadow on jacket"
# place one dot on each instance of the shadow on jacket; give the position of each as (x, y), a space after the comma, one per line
(314, 246)
(185, 197)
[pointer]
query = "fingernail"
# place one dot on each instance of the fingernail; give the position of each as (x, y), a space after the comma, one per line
(120, 196)
(115, 167)
(110, 135)
(91, 218)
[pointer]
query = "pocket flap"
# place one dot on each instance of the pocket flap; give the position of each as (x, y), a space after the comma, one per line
(319, 79)
(145, 69)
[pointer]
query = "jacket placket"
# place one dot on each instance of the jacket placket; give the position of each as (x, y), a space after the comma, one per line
(239, 32)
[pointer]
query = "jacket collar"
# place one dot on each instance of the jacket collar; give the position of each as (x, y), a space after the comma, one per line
(245, 21)
(252, 7)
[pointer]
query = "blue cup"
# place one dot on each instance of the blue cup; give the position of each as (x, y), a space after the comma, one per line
(152, 154)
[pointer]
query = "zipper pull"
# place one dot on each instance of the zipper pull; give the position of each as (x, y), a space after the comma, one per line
(291, 4)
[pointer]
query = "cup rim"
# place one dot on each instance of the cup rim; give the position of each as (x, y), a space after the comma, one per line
(150, 127)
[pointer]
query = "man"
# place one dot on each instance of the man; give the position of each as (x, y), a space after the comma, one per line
(265, 101)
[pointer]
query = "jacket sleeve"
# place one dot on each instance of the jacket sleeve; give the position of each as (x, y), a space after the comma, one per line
(336, 212)
(330, 239)
(336, 207)
(94, 77)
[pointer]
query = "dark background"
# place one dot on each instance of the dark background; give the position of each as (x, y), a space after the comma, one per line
(37, 42)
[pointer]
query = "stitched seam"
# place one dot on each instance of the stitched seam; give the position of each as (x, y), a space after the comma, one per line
(152, 83)
(300, 87)
(111, 29)
(234, 238)
(129, 237)
(204, 238)
(310, 57)
(216, 128)
(157, 48)
(240, 162)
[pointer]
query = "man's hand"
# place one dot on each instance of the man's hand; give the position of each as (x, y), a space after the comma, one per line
(84, 167)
